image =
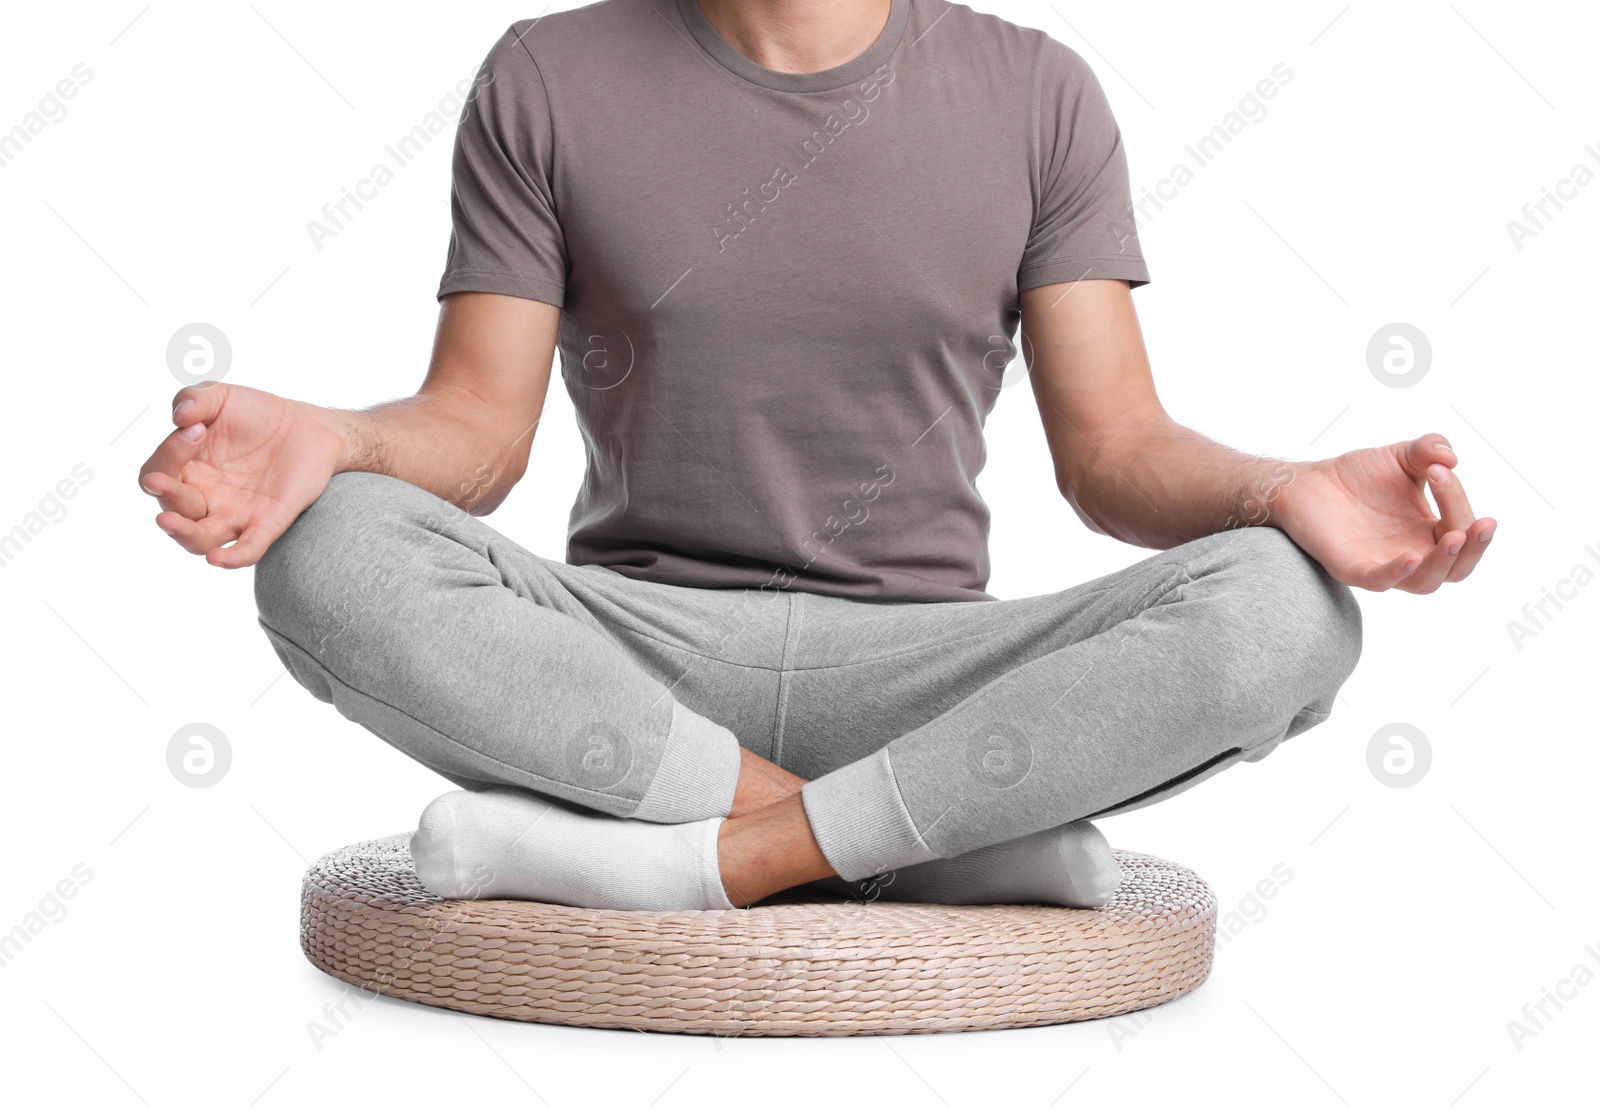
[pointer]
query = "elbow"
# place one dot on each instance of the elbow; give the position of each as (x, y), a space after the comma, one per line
(1072, 490)
(488, 486)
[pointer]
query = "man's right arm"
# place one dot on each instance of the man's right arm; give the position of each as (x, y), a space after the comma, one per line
(466, 434)
(242, 464)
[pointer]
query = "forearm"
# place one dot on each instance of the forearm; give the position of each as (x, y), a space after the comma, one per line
(1158, 484)
(445, 442)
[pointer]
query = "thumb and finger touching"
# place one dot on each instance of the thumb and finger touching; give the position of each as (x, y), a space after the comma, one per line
(1458, 537)
(1455, 514)
(1417, 455)
(186, 514)
(194, 408)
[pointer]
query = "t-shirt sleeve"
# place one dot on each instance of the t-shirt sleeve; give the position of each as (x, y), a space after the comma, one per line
(505, 238)
(1084, 226)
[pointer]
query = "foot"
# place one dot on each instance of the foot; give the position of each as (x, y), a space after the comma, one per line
(1070, 865)
(510, 844)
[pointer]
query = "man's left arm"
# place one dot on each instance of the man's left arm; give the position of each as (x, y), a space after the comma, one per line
(1131, 472)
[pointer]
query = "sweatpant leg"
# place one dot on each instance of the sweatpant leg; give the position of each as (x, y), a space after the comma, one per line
(488, 664)
(933, 729)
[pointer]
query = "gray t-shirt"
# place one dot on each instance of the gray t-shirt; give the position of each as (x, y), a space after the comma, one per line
(787, 299)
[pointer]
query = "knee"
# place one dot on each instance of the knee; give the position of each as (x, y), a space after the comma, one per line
(1290, 608)
(332, 555)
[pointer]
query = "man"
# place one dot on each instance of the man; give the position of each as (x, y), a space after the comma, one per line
(784, 246)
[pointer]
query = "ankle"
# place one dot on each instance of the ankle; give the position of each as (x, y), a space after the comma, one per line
(761, 785)
(769, 851)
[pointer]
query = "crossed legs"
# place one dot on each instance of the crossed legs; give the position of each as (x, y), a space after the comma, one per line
(878, 737)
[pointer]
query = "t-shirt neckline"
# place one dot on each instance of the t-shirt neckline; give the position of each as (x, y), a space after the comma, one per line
(837, 77)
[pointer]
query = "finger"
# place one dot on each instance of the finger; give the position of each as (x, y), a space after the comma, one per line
(1455, 513)
(1430, 448)
(196, 537)
(1478, 538)
(1381, 577)
(191, 406)
(202, 403)
(180, 446)
(1427, 576)
(250, 547)
(174, 494)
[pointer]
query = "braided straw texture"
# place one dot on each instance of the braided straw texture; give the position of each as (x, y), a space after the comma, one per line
(817, 965)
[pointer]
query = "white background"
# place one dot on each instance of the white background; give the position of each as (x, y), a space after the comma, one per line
(1377, 189)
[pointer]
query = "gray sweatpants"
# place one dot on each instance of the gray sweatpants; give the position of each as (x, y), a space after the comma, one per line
(927, 729)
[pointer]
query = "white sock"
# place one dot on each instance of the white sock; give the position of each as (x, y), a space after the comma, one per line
(1071, 865)
(505, 843)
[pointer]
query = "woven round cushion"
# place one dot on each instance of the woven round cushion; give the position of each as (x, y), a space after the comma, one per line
(812, 965)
